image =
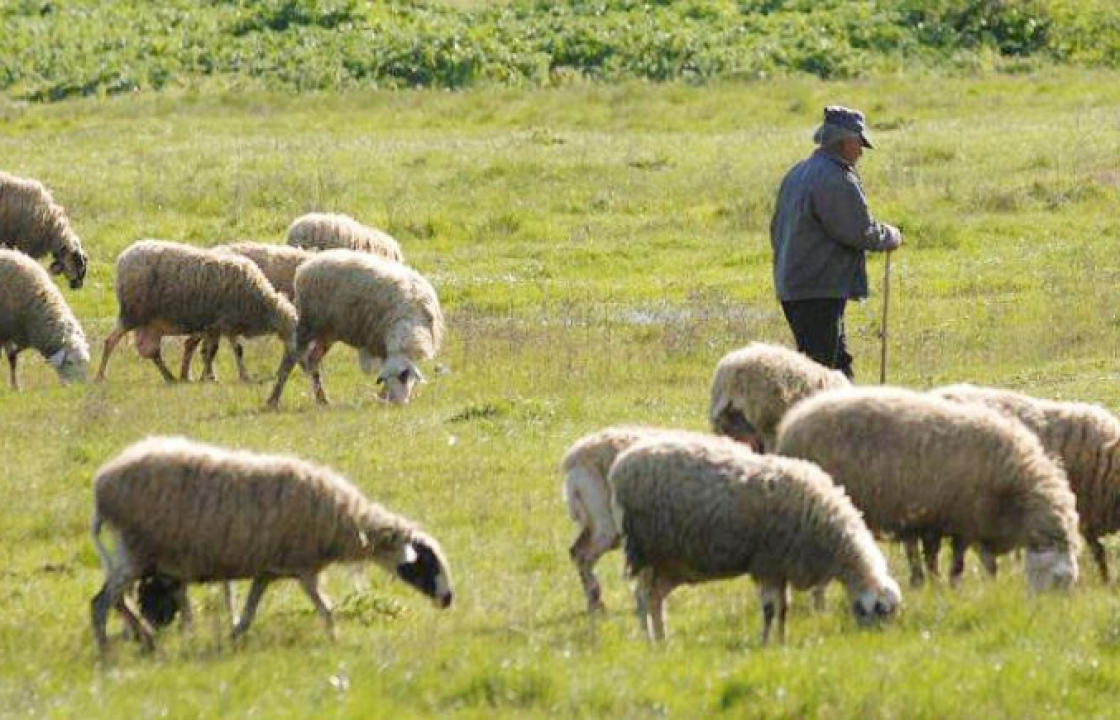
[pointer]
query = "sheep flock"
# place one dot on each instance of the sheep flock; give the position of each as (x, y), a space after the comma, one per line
(797, 481)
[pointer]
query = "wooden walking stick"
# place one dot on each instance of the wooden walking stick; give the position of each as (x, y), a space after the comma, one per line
(883, 326)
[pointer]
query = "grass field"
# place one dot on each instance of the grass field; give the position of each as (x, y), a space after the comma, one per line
(596, 249)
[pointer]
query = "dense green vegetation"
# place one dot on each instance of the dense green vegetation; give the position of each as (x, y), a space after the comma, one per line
(597, 248)
(54, 49)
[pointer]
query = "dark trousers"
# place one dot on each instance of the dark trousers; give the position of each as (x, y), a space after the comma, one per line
(818, 328)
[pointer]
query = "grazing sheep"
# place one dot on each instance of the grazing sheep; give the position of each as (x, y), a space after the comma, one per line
(385, 309)
(198, 513)
(33, 314)
(694, 508)
(915, 465)
(279, 264)
(33, 223)
(166, 288)
(755, 385)
(1085, 437)
(324, 231)
(588, 496)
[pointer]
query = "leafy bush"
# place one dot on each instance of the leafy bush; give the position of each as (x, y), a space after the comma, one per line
(61, 48)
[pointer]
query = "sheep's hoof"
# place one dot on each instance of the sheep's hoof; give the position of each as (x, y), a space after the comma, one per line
(596, 607)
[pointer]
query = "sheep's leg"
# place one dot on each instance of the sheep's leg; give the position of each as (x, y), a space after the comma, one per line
(111, 595)
(314, 362)
(186, 619)
(642, 592)
(988, 560)
(310, 585)
(12, 354)
(931, 547)
(580, 556)
(110, 344)
(256, 590)
(660, 589)
(775, 603)
(162, 366)
(148, 345)
(189, 346)
(1100, 556)
(282, 373)
(209, 352)
(238, 348)
(586, 551)
(818, 592)
(227, 598)
(914, 560)
(957, 569)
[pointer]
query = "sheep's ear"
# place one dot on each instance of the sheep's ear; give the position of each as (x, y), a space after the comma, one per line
(416, 371)
(57, 267)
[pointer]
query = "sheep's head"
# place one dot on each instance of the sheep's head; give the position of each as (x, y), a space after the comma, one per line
(397, 378)
(1051, 569)
(731, 422)
(71, 362)
(876, 604)
(158, 598)
(421, 564)
(72, 264)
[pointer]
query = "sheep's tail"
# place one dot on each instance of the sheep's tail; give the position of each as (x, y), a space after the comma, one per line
(95, 533)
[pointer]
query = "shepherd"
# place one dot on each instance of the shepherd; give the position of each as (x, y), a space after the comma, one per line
(820, 233)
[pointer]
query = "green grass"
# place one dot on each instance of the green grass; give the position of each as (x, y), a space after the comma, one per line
(597, 249)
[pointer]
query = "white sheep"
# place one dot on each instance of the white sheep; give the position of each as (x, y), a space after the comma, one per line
(33, 223)
(387, 310)
(325, 231)
(754, 386)
(1084, 437)
(694, 508)
(33, 314)
(166, 288)
(588, 496)
(199, 513)
(915, 465)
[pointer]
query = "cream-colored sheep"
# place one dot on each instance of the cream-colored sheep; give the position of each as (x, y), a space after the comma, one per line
(915, 464)
(754, 386)
(166, 288)
(385, 309)
(694, 508)
(199, 513)
(588, 496)
(325, 231)
(33, 223)
(33, 314)
(1085, 437)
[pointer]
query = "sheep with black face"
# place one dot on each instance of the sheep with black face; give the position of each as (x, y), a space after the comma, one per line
(192, 512)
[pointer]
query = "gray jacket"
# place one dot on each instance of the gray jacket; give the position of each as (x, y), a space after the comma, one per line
(821, 231)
